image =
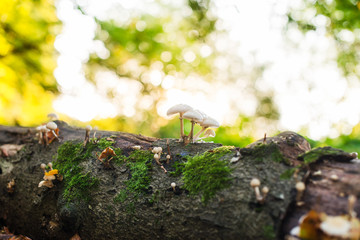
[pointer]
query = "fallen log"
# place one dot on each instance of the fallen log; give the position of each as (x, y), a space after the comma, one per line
(205, 192)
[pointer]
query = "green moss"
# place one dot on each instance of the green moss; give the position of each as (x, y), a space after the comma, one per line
(179, 168)
(104, 143)
(121, 197)
(77, 183)
(265, 152)
(139, 163)
(269, 232)
(206, 174)
(324, 152)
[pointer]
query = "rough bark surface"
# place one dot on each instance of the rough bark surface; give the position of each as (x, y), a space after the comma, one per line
(160, 212)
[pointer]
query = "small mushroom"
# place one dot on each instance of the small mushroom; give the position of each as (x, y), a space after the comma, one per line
(168, 157)
(193, 116)
(334, 177)
(351, 203)
(157, 158)
(88, 128)
(95, 129)
(265, 191)
(173, 185)
(300, 188)
(181, 109)
(205, 124)
(52, 127)
(255, 183)
(40, 134)
(136, 147)
(53, 116)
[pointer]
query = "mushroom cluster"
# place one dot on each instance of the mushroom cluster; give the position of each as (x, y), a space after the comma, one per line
(47, 133)
(157, 155)
(195, 117)
(49, 176)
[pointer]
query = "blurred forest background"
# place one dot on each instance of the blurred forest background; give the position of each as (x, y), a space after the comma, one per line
(120, 65)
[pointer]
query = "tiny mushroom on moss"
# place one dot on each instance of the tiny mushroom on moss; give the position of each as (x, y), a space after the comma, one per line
(181, 109)
(173, 185)
(255, 183)
(193, 116)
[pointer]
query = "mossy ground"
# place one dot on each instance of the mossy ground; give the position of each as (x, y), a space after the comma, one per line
(265, 152)
(322, 152)
(78, 184)
(206, 174)
(139, 163)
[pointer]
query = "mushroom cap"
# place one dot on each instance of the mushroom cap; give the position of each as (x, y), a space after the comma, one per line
(168, 156)
(51, 125)
(179, 108)
(53, 116)
(265, 190)
(193, 115)
(336, 226)
(49, 177)
(39, 128)
(43, 165)
(156, 156)
(173, 184)
(88, 128)
(50, 164)
(300, 186)
(255, 182)
(52, 172)
(210, 122)
(209, 133)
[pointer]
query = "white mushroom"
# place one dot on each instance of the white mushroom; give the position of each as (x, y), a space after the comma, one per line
(52, 127)
(40, 132)
(193, 116)
(255, 183)
(207, 123)
(181, 109)
(300, 188)
(136, 147)
(336, 226)
(53, 116)
(173, 185)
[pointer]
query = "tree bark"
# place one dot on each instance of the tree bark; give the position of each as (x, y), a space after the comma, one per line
(161, 212)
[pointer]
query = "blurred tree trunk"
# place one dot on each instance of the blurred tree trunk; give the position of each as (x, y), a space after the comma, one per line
(161, 212)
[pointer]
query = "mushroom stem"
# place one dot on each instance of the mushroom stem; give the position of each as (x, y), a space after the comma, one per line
(181, 127)
(53, 132)
(257, 194)
(196, 137)
(351, 203)
(191, 134)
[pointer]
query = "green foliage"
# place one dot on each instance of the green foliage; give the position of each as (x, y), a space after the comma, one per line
(179, 168)
(207, 174)
(286, 175)
(340, 15)
(78, 185)
(27, 60)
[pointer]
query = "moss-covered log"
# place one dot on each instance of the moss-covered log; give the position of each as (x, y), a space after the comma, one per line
(132, 197)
